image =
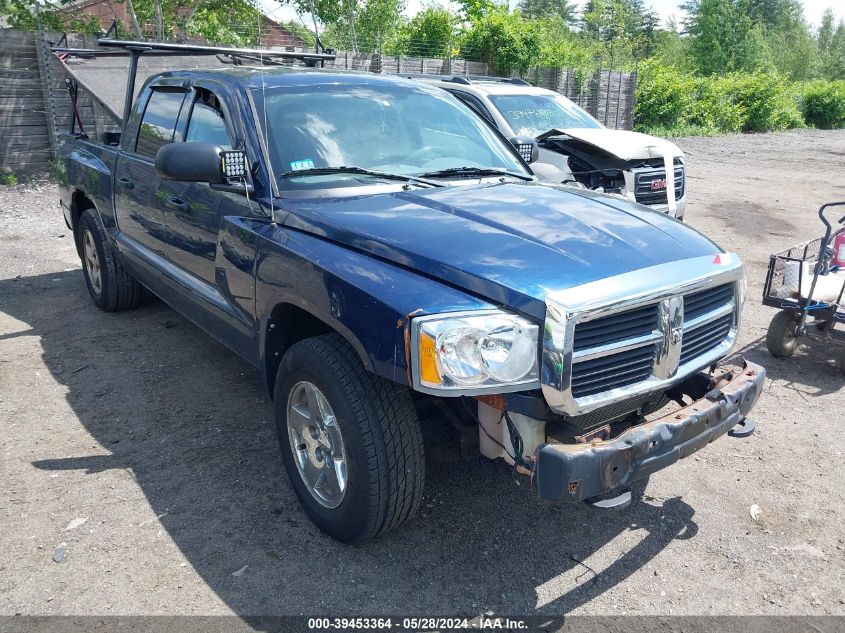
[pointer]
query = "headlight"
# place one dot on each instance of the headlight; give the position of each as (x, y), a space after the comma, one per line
(475, 353)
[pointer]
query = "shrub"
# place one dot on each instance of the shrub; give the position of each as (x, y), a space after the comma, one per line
(667, 99)
(664, 96)
(766, 99)
(716, 108)
(823, 104)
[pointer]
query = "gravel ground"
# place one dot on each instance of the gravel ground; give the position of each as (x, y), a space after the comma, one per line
(146, 451)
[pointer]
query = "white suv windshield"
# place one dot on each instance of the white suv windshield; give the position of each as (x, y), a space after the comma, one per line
(396, 129)
(532, 115)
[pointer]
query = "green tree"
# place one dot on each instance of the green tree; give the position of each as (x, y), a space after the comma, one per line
(772, 14)
(830, 42)
(226, 21)
(538, 9)
(561, 48)
(792, 50)
(430, 33)
(723, 38)
(472, 10)
(626, 28)
(57, 15)
(377, 21)
(646, 35)
(671, 49)
(505, 40)
(789, 40)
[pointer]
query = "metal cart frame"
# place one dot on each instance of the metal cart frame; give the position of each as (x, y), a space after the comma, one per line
(790, 324)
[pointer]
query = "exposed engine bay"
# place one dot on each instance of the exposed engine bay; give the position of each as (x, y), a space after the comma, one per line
(577, 162)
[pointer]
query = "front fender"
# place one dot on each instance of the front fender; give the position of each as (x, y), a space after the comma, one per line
(368, 301)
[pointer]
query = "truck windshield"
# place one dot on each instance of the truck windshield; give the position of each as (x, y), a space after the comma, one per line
(393, 129)
(532, 115)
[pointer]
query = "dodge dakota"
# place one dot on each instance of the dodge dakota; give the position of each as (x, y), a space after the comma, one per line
(388, 261)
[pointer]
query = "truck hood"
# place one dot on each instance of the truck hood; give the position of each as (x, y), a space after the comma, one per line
(511, 244)
(621, 143)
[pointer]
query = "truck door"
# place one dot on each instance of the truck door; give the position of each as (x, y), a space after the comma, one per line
(139, 206)
(194, 210)
(209, 269)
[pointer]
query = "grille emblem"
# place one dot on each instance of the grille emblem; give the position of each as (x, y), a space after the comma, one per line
(658, 184)
(671, 327)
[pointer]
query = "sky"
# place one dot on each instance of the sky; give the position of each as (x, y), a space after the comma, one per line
(813, 9)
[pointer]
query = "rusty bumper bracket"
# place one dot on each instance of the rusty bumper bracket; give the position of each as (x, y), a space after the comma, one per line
(571, 473)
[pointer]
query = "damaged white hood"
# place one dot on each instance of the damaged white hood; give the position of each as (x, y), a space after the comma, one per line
(634, 146)
(626, 145)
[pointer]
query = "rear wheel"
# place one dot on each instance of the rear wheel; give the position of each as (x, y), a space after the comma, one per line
(781, 340)
(350, 441)
(110, 285)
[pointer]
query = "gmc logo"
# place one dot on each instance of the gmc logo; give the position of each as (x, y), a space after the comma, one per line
(658, 185)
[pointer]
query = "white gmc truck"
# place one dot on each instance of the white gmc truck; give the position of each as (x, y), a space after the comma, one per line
(574, 148)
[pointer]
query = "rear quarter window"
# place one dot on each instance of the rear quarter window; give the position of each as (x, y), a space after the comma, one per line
(158, 126)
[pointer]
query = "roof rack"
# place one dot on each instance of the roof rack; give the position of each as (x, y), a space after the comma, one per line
(466, 79)
(134, 49)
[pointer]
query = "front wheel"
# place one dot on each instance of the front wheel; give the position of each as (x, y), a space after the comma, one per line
(781, 340)
(350, 441)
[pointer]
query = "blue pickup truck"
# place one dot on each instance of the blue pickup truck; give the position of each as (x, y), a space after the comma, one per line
(389, 262)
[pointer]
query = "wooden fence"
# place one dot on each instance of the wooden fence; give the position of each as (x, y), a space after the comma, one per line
(35, 107)
(26, 145)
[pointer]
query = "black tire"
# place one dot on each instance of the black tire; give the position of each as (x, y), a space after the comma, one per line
(781, 340)
(117, 290)
(842, 362)
(383, 445)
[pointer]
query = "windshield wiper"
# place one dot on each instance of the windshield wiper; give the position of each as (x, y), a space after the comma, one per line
(319, 171)
(474, 171)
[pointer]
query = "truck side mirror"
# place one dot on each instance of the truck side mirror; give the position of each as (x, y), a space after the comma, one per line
(527, 148)
(199, 162)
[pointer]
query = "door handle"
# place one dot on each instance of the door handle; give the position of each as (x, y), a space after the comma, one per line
(177, 204)
(125, 183)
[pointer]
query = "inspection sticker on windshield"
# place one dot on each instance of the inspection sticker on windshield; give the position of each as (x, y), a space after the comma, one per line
(298, 165)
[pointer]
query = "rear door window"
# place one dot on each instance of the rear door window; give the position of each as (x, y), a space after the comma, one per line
(158, 127)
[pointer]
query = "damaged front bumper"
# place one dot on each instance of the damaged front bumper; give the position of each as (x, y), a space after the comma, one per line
(576, 472)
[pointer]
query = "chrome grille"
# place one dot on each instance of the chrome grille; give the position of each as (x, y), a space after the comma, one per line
(613, 371)
(630, 347)
(700, 303)
(616, 327)
(704, 338)
(620, 339)
(643, 180)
